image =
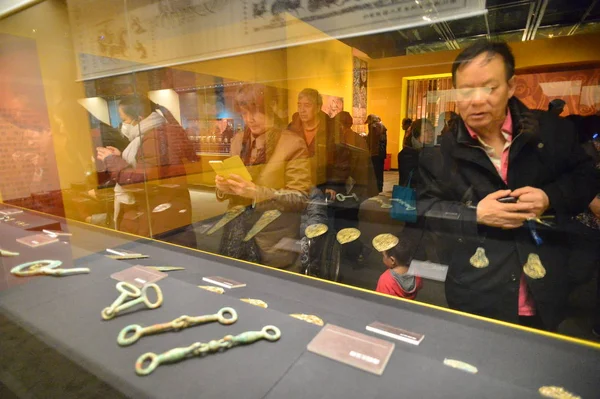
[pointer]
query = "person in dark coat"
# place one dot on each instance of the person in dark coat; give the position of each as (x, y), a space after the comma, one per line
(377, 141)
(502, 264)
(408, 158)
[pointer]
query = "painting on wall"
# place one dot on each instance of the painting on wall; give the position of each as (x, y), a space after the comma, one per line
(580, 89)
(359, 94)
(332, 105)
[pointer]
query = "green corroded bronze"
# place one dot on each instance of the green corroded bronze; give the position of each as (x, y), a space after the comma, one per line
(132, 333)
(45, 268)
(135, 296)
(148, 362)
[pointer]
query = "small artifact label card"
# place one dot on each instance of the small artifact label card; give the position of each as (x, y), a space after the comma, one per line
(138, 276)
(352, 348)
(37, 240)
(396, 333)
(223, 282)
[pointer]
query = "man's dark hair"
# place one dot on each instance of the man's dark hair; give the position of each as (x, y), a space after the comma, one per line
(135, 106)
(402, 252)
(491, 48)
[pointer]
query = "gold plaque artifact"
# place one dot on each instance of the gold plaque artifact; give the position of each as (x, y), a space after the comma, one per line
(384, 242)
(479, 260)
(534, 268)
(309, 318)
(316, 230)
(345, 236)
(228, 217)
(557, 393)
(216, 290)
(265, 219)
(255, 302)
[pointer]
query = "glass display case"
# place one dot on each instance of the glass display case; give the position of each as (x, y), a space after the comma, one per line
(387, 183)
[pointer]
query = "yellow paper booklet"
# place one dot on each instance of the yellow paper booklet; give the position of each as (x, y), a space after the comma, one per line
(231, 166)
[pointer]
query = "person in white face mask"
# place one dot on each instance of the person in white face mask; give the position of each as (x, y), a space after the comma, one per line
(157, 152)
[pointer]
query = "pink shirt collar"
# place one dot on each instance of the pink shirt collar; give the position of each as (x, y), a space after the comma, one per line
(507, 126)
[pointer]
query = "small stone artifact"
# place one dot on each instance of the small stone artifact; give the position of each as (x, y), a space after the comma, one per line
(216, 290)
(127, 256)
(132, 333)
(534, 268)
(255, 302)
(228, 217)
(4, 252)
(479, 260)
(266, 218)
(152, 360)
(131, 296)
(316, 230)
(457, 364)
(45, 268)
(384, 242)
(344, 236)
(557, 393)
(309, 318)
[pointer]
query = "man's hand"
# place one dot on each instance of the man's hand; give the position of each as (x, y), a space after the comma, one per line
(241, 187)
(533, 196)
(493, 213)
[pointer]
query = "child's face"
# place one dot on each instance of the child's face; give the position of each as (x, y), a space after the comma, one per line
(388, 261)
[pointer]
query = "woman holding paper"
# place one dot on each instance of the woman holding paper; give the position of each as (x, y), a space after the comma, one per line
(157, 151)
(277, 161)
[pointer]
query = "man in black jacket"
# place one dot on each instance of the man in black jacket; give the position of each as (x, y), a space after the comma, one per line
(504, 264)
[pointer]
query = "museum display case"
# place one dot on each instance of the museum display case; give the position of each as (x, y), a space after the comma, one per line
(303, 198)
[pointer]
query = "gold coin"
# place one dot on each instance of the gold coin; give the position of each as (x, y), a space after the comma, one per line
(265, 219)
(255, 302)
(384, 242)
(345, 236)
(316, 230)
(479, 260)
(216, 290)
(228, 217)
(309, 318)
(557, 393)
(534, 268)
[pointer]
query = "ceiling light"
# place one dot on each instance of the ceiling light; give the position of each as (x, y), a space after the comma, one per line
(426, 18)
(551, 35)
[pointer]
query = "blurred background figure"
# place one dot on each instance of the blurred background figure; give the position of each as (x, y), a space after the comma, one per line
(377, 141)
(556, 106)
(408, 159)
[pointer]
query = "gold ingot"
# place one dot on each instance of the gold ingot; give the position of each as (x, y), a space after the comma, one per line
(555, 392)
(479, 260)
(534, 268)
(384, 242)
(316, 230)
(228, 217)
(216, 290)
(255, 302)
(345, 236)
(309, 318)
(265, 219)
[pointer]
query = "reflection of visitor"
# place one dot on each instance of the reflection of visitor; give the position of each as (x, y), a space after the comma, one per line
(501, 263)
(158, 149)
(408, 159)
(395, 280)
(278, 163)
(227, 134)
